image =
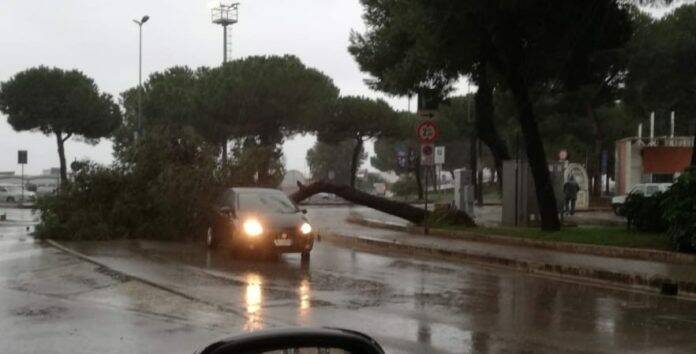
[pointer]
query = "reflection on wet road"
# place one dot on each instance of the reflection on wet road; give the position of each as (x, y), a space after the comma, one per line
(417, 306)
(253, 301)
(407, 305)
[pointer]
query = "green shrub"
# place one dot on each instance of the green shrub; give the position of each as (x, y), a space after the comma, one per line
(405, 186)
(163, 189)
(679, 212)
(644, 213)
(83, 209)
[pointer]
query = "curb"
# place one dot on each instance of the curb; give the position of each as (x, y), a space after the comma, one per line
(142, 280)
(165, 288)
(654, 285)
(604, 251)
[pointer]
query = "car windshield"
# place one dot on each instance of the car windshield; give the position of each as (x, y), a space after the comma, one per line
(266, 202)
(651, 190)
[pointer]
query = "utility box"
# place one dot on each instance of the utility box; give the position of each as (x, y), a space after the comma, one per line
(520, 206)
(463, 191)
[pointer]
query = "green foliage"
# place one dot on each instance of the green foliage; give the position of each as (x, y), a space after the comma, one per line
(679, 207)
(661, 71)
(444, 216)
(323, 158)
(248, 158)
(416, 44)
(257, 101)
(604, 236)
(357, 119)
(163, 181)
(367, 183)
(644, 213)
(405, 186)
(673, 211)
(84, 209)
(58, 102)
(413, 45)
(163, 191)
(169, 98)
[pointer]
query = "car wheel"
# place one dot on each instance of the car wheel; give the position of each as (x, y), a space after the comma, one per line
(210, 239)
(10, 199)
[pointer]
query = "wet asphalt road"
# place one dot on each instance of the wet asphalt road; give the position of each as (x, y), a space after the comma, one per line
(53, 302)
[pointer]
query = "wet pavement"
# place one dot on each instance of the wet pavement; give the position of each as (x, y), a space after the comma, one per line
(333, 219)
(54, 302)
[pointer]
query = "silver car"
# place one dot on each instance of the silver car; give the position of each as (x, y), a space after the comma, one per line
(645, 189)
(12, 193)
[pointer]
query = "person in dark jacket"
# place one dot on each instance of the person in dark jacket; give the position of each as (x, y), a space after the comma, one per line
(570, 190)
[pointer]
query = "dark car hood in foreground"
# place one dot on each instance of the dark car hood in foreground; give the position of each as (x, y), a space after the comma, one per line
(276, 220)
(298, 337)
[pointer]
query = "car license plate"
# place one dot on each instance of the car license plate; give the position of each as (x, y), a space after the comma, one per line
(283, 242)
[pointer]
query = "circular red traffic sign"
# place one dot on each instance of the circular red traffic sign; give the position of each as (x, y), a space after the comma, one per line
(427, 150)
(427, 132)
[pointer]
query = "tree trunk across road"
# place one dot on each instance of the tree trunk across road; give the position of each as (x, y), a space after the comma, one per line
(406, 211)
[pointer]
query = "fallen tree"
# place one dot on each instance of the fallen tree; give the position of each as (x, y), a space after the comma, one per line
(403, 210)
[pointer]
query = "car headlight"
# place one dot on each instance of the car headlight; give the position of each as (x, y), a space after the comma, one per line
(306, 228)
(252, 227)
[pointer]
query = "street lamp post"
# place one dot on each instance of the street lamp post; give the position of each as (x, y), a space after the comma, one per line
(140, 71)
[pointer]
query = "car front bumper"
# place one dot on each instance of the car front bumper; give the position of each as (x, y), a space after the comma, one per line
(275, 241)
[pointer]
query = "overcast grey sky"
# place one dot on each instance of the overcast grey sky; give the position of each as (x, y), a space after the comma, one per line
(99, 38)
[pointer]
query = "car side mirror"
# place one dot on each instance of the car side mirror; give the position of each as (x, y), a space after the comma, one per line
(325, 340)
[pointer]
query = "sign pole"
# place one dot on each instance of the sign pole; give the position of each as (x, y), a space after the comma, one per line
(425, 220)
(427, 133)
(22, 159)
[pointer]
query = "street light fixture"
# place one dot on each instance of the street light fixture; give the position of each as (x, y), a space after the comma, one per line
(140, 71)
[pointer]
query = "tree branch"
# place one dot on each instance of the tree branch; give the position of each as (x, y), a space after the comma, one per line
(67, 137)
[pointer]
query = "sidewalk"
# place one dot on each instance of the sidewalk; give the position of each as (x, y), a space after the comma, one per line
(646, 275)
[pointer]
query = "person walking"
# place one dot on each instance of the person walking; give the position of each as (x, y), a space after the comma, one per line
(570, 190)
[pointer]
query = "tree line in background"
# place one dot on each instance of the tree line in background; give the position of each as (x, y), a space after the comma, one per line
(575, 75)
(201, 130)
(571, 74)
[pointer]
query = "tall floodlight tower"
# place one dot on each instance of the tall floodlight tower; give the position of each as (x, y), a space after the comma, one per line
(225, 15)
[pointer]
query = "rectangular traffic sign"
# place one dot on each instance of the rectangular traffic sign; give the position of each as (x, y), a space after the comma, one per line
(22, 157)
(439, 155)
(427, 154)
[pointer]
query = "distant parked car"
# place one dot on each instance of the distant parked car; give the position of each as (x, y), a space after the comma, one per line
(644, 189)
(12, 193)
